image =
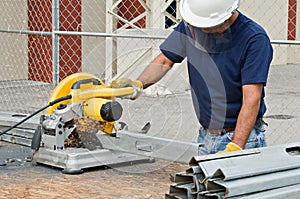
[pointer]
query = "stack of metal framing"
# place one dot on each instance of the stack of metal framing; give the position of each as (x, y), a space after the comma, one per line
(264, 173)
(22, 134)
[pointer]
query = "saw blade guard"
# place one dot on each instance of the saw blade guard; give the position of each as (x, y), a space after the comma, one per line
(64, 88)
(91, 99)
(84, 86)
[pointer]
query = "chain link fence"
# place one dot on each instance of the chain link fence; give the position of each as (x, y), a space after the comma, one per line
(43, 42)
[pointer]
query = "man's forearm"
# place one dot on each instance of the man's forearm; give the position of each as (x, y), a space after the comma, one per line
(155, 70)
(248, 114)
(245, 124)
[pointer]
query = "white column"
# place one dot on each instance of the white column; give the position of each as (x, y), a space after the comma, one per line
(93, 48)
(111, 47)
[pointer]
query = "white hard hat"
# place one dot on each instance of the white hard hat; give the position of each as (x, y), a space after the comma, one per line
(207, 13)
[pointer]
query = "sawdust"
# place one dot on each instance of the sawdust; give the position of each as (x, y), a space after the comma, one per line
(87, 125)
(102, 183)
(85, 128)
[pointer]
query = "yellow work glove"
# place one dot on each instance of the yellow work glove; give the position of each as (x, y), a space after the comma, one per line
(230, 147)
(125, 82)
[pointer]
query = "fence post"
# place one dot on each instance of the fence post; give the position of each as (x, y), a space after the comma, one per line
(55, 42)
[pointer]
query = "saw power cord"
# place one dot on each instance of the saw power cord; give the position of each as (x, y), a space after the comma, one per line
(67, 97)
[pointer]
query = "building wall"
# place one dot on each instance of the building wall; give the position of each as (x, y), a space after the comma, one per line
(93, 49)
(13, 48)
(40, 47)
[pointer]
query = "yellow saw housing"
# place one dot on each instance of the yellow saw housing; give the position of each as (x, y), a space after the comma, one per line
(94, 107)
(98, 99)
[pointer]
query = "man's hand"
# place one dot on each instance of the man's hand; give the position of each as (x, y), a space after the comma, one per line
(125, 82)
(230, 147)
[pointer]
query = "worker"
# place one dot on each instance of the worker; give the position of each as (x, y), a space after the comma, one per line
(228, 57)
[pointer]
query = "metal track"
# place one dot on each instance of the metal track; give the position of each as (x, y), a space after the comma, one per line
(150, 146)
(21, 135)
(270, 172)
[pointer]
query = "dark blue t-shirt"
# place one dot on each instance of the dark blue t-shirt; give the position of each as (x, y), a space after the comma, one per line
(219, 65)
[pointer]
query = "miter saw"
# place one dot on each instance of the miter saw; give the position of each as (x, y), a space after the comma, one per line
(87, 98)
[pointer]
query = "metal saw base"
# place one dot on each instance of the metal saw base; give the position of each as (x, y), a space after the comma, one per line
(75, 160)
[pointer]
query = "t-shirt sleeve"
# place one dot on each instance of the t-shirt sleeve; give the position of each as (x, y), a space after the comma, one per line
(257, 60)
(174, 47)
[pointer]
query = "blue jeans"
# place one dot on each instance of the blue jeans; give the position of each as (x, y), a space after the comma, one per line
(216, 143)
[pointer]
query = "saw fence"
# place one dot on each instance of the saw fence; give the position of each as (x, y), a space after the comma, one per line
(271, 172)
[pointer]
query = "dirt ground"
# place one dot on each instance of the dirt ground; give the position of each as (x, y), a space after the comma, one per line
(138, 181)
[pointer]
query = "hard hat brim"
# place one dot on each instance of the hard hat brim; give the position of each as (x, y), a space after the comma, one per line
(200, 22)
